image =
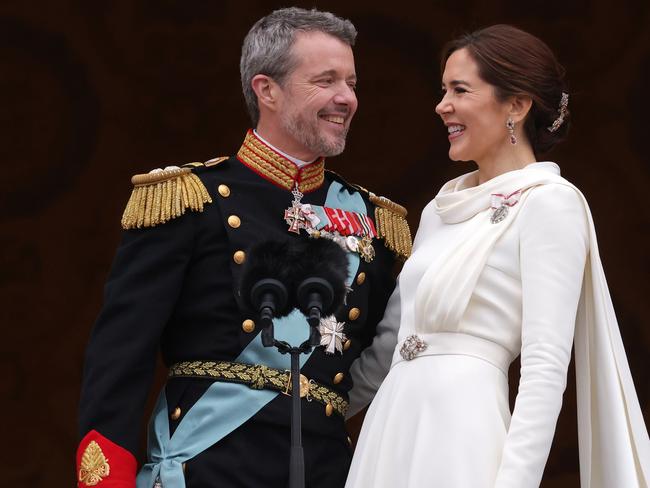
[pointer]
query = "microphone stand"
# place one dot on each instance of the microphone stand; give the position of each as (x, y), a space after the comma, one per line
(314, 294)
(270, 295)
(297, 456)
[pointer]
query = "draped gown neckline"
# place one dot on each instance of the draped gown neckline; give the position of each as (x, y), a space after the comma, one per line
(462, 198)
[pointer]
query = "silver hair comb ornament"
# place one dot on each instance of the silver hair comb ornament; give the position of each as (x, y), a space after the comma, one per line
(564, 103)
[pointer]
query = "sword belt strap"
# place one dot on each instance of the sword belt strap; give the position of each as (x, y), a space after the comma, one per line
(257, 377)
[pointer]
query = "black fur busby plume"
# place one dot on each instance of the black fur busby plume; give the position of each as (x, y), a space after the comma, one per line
(323, 258)
(269, 259)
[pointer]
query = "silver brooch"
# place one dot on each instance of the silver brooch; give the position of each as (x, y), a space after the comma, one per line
(501, 205)
(499, 214)
(412, 346)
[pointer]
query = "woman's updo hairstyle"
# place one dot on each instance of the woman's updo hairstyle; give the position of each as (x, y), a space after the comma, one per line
(518, 63)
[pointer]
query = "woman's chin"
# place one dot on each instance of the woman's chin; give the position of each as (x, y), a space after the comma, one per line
(456, 155)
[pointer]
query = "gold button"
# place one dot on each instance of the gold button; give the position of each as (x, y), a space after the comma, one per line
(234, 221)
(329, 409)
(354, 313)
(349, 444)
(183, 465)
(176, 414)
(338, 378)
(347, 344)
(239, 257)
(224, 191)
(248, 325)
(361, 277)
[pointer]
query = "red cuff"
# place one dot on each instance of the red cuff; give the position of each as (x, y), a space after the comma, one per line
(104, 464)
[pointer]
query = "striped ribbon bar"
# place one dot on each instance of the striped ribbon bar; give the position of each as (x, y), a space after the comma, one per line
(348, 223)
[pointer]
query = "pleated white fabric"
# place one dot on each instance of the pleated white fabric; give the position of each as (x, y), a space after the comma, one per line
(479, 294)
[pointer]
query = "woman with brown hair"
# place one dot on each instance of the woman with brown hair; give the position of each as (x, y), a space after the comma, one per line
(505, 263)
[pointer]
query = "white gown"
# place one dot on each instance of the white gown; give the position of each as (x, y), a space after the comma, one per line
(479, 295)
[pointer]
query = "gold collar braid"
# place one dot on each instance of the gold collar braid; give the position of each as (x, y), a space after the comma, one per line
(278, 169)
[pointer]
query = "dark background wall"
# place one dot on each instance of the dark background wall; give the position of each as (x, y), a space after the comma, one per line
(92, 92)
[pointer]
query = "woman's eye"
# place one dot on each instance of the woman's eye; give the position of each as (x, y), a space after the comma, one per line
(459, 90)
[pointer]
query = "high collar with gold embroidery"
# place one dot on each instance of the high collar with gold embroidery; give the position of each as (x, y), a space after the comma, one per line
(277, 168)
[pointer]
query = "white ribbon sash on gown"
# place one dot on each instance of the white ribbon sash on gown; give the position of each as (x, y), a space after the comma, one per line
(613, 439)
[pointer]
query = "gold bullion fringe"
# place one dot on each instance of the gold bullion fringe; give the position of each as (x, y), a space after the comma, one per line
(392, 226)
(257, 376)
(159, 197)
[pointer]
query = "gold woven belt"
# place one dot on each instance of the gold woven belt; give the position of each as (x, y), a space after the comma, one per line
(258, 376)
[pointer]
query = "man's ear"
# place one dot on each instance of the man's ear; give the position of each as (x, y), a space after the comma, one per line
(267, 91)
(519, 107)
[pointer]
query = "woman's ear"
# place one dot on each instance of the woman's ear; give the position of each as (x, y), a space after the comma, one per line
(519, 107)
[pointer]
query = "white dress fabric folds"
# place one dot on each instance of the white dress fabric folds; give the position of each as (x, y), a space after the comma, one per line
(479, 291)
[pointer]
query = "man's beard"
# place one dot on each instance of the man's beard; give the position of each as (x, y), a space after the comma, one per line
(306, 132)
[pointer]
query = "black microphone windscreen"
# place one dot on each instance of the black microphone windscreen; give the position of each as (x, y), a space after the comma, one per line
(323, 258)
(269, 259)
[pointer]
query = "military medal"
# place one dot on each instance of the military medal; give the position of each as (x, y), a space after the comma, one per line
(366, 251)
(294, 216)
(501, 205)
(351, 230)
(331, 334)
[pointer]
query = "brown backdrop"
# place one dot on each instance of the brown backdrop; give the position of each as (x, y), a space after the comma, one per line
(93, 92)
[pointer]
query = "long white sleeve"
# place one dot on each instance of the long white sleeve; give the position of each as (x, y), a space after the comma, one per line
(370, 369)
(553, 248)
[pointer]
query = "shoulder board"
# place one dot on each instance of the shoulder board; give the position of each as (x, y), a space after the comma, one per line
(206, 164)
(390, 219)
(162, 195)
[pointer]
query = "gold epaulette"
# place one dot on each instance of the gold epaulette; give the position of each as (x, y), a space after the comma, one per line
(392, 226)
(163, 195)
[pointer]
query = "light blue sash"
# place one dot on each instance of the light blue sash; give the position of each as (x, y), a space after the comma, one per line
(225, 406)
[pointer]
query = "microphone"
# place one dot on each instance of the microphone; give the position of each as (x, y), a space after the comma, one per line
(277, 276)
(267, 283)
(280, 275)
(320, 279)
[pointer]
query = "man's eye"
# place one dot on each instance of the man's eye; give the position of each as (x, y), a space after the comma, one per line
(353, 86)
(459, 90)
(325, 81)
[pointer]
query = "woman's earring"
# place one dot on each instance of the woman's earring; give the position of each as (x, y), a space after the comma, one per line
(510, 125)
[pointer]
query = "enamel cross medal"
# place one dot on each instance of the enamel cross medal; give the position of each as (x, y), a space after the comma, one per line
(294, 216)
(331, 334)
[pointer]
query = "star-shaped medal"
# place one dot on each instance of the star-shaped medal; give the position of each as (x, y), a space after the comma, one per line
(331, 334)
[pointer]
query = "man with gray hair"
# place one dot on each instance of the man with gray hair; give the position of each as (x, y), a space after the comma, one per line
(223, 418)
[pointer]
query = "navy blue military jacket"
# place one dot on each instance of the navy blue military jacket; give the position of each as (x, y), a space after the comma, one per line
(172, 288)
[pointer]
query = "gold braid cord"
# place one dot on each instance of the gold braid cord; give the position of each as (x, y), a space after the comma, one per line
(257, 377)
(162, 196)
(392, 226)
